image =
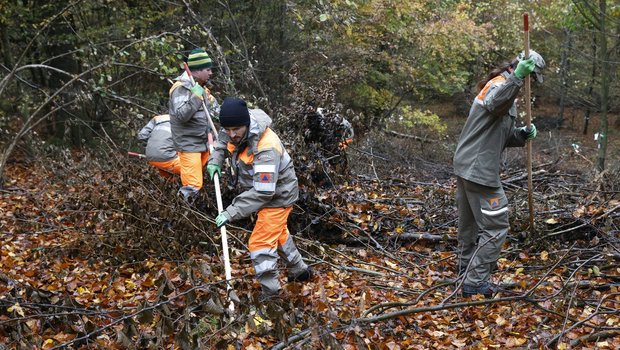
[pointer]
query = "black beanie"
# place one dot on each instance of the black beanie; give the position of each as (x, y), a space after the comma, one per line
(234, 112)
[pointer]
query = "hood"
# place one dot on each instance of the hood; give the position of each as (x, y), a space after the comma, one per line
(259, 122)
(185, 79)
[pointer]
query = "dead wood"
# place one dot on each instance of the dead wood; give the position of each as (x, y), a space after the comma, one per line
(413, 137)
(411, 236)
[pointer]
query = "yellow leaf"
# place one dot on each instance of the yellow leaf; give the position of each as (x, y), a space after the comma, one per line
(17, 308)
(500, 321)
(544, 255)
(551, 221)
(48, 344)
(391, 264)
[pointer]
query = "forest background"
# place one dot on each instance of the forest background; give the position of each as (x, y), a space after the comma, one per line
(98, 252)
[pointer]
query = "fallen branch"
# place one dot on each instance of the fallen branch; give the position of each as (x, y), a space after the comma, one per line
(602, 216)
(594, 337)
(409, 236)
(417, 138)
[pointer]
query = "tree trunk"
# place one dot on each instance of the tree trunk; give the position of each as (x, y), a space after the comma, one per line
(7, 57)
(604, 59)
(564, 68)
(586, 117)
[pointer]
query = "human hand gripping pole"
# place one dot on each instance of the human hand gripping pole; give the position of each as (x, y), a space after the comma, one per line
(214, 173)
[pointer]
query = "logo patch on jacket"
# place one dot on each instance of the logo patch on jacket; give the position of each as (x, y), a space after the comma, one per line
(494, 202)
(264, 177)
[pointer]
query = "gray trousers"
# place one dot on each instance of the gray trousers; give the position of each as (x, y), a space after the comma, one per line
(483, 226)
(265, 264)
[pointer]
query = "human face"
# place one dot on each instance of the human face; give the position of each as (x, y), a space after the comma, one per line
(202, 75)
(236, 133)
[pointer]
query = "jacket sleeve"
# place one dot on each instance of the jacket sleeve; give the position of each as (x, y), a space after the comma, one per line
(266, 168)
(516, 138)
(183, 104)
(145, 132)
(501, 96)
(220, 150)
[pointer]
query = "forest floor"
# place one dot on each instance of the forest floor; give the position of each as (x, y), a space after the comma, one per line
(89, 262)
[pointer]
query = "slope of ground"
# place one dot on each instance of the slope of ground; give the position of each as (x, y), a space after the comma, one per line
(97, 258)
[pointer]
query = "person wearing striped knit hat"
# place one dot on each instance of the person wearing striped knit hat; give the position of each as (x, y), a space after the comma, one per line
(189, 123)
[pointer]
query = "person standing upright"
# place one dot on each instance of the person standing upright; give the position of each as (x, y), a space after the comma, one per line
(481, 201)
(188, 120)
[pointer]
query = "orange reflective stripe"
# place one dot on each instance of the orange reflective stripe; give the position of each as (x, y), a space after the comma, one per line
(484, 90)
(270, 229)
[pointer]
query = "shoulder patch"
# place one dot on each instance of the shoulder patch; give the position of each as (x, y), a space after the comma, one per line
(264, 177)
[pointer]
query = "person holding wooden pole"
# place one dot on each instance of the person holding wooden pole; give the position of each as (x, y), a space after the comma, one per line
(190, 122)
(265, 172)
(481, 201)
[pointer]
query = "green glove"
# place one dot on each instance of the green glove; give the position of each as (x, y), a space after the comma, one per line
(198, 90)
(524, 68)
(212, 169)
(529, 134)
(222, 219)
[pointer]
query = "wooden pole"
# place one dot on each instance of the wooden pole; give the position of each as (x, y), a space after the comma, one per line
(528, 123)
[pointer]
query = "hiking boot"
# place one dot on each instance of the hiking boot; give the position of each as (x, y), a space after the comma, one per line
(487, 289)
(302, 276)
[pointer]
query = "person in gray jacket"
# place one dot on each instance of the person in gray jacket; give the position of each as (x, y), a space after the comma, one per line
(189, 123)
(266, 174)
(481, 201)
(160, 152)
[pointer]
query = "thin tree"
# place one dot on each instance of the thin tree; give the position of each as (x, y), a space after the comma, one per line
(604, 59)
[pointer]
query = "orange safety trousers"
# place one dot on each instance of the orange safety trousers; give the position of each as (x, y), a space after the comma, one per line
(192, 164)
(270, 230)
(168, 168)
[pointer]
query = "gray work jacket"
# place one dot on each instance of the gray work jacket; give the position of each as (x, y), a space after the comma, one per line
(156, 133)
(188, 120)
(263, 166)
(489, 129)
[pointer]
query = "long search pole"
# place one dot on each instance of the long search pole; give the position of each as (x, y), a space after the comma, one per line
(218, 196)
(528, 123)
(220, 208)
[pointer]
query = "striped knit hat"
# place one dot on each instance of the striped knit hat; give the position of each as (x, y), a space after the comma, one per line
(198, 59)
